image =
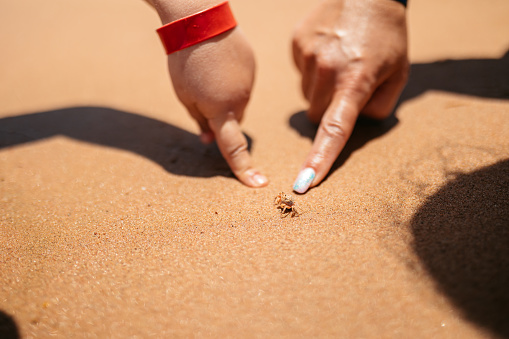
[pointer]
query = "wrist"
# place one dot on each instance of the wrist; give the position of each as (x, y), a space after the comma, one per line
(171, 10)
(197, 27)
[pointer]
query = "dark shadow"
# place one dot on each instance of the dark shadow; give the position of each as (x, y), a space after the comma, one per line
(8, 328)
(487, 78)
(461, 235)
(173, 148)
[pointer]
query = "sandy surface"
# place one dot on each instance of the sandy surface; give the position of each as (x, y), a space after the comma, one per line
(116, 222)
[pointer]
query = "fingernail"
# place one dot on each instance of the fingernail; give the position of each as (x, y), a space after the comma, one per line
(259, 180)
(304, 180)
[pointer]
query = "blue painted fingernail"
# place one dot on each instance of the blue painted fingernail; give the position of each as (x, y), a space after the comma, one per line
(304, 180)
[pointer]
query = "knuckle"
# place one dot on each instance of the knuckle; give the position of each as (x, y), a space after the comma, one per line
(359, 82)
(334, 129)
(314, 50)
(234, 100)
(308, 54)
(243, 95)
(234, 151)
(326, 63)
(324, 60)
(364, 77)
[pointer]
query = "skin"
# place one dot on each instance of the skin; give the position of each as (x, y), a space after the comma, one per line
(352, 55)
(213, 80)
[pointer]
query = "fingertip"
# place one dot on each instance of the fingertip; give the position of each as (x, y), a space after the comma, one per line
(207, 138)
(304, 180)
(253, 178)
(260, 180)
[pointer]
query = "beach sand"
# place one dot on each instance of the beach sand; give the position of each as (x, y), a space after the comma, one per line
(116, 222)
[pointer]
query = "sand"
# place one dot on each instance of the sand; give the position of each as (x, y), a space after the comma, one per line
(116, 222)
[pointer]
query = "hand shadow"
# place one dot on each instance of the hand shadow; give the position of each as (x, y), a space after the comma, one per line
(488, 78)
(461, 235)
(176, 150)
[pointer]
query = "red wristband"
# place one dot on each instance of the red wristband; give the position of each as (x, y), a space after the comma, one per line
(196, 28)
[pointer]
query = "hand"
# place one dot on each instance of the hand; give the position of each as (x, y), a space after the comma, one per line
(213, 80)
(352, 55)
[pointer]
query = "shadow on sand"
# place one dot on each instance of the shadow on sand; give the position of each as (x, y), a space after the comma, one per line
(461, 235)
(174, 149)
(8, 327)
(486, 78)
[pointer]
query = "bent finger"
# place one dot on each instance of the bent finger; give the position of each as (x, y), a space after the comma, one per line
(384, 99)
(206, 134)
(321, 93)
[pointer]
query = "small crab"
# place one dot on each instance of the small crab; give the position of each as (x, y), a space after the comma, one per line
(286, 204)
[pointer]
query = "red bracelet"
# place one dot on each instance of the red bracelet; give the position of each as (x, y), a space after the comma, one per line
(196, 28)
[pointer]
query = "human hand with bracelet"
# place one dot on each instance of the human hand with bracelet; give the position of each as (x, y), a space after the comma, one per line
(352, 55)
(212, 68)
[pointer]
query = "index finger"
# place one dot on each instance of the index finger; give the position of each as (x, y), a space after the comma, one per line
(234, 148)
(334, 131)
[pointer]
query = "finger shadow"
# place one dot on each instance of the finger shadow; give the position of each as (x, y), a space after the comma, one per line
(461, 235)
(176, 150)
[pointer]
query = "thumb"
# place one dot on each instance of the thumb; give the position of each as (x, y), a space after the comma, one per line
(234, 148)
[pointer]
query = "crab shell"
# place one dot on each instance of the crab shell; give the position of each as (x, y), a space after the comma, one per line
(285, 199)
